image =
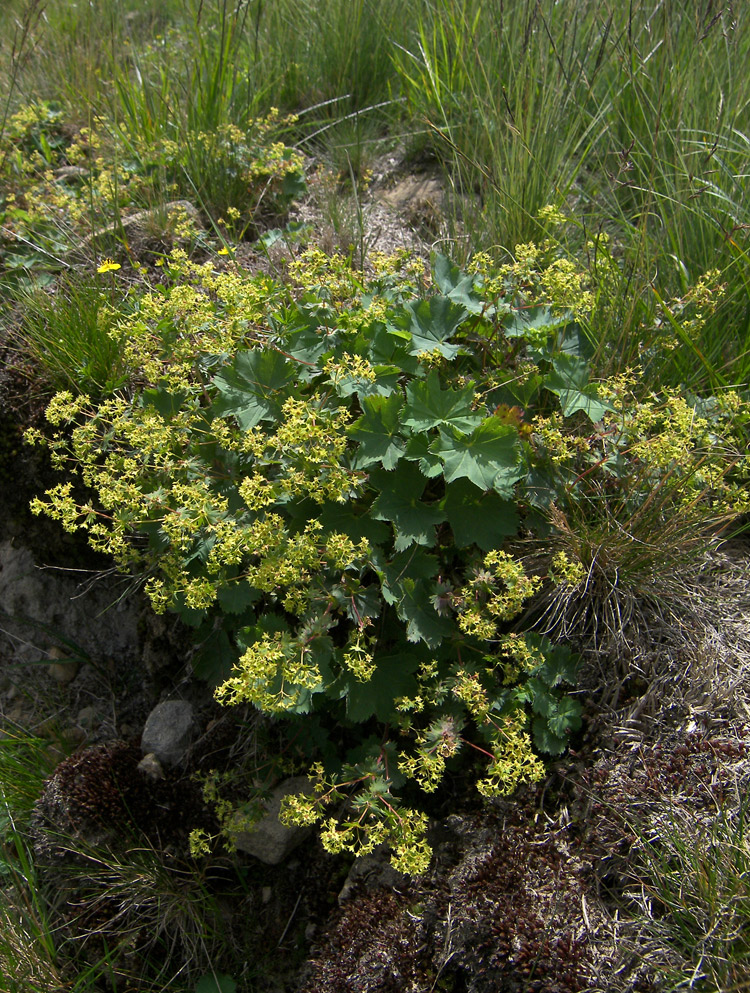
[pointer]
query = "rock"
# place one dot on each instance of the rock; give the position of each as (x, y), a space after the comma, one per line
(70, 172)
(73, 736)
(64, 670)
(170, 730)
(88, 717)
(269, 840)
(150, 766)
(373, 871)
(99, 624)
(158, 218)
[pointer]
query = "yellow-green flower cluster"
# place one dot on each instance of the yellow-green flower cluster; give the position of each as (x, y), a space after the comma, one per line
(350, 367)
(496, 593)
(559, 445)
(331, 274)
(472, 694)
(518, 657)
(200, 312)
(539, 275)
(271, 674)
(564, 285)
(426, 768)
(312, 442)
(358, 658)
(300, 810)
(563, 570)
(513, 760)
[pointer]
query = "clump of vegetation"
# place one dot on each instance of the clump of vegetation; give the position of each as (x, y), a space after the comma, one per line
(387, 500)
(326, 474)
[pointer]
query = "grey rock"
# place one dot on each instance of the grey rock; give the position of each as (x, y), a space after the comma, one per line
(63, 670)
(269, 840)
(170, 730)
(34, 600)
(373, 871)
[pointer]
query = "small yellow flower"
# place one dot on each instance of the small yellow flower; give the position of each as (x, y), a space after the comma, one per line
(223, 251)
(109, 265)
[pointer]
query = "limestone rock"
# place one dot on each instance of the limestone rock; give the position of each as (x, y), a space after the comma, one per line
(170, 730)
(269, 840)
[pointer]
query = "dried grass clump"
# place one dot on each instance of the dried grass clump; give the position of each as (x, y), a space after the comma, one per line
(655, 654)
(664, 828)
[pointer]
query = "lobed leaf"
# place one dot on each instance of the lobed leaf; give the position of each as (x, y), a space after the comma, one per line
(428, 406)
(489, 456)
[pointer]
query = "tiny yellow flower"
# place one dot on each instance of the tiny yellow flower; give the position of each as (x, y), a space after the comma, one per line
(109, 265)
(223, 251)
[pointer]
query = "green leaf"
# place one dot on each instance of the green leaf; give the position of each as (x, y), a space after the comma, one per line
(386, 381)
(215, 982)
(489, 456)
(413, 563)
(306, 345)
(552, 728)
(399, 502)
(386, 349)
(431, 323)
(542, 701)
(418, 450)
(358, 602)
(428, 407)
(416, 608)
(560, 663)
(215, 657)
(337, 518)
(457, 285)
(192, 616)
(237, 596)
(255, 387)
(393, 677)
(293, 185)
(566, 717)
(476, 518)
(166, 402)
(533, 322)
(377, 432)
(570, 381)
(545, 739)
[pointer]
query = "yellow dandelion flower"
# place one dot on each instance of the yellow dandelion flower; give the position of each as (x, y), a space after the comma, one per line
(109, 265)
(223, 251)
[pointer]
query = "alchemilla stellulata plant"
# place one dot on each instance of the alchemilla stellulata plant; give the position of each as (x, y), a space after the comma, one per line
(330, 478)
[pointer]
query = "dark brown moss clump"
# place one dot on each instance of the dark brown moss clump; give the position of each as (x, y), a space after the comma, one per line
(505, 917)
(101, 797)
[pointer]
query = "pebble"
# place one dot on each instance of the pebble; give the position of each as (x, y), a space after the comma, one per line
(88, 717)
(64, 670)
